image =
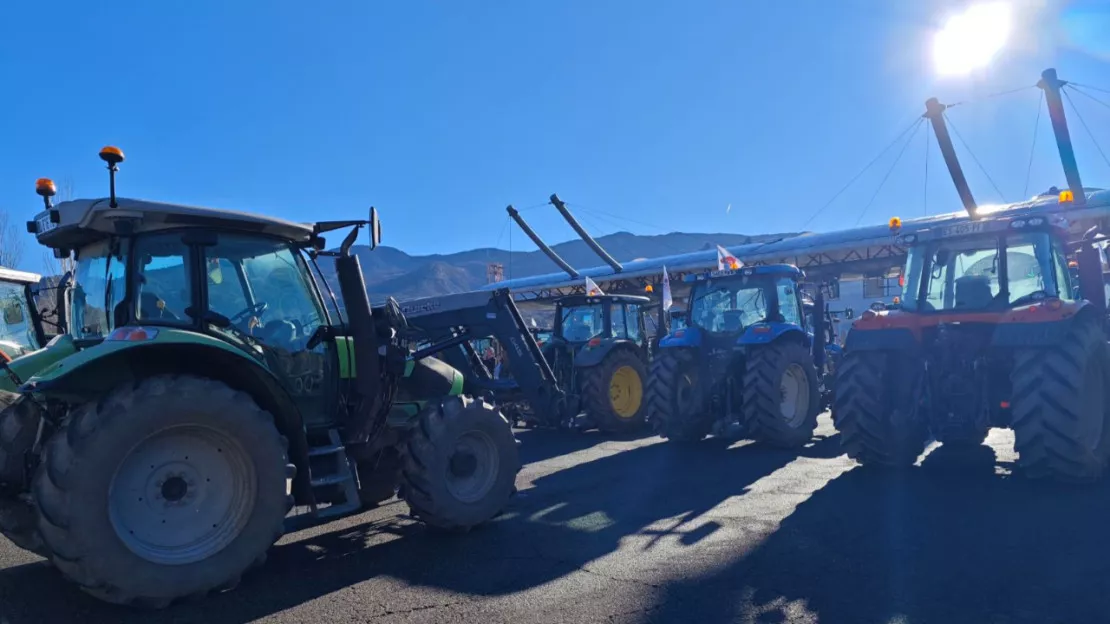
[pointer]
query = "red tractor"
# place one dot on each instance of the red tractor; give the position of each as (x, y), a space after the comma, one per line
(992, 331)
(989, 334)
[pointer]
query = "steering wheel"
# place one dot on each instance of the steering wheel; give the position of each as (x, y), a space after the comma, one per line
(252, 310)
(1033, 297)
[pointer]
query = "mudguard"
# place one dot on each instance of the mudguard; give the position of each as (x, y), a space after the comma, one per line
(686, 337)
(592, 356)
(1039, 325)
(89, 372)
(898, 338)
(766, 333)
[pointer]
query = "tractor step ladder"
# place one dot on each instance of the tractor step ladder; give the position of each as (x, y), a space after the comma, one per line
(334, 481)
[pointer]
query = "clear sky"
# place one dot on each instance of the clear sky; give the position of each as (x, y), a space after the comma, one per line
(441, 114)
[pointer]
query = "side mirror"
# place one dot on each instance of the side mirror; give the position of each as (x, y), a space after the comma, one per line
(375, 229)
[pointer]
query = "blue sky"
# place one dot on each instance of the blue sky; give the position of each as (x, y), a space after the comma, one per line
(440, 114)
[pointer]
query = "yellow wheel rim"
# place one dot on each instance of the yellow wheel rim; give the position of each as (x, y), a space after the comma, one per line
(626, 392)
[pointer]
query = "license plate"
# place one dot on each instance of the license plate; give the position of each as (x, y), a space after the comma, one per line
(963, 228)
(43, 224)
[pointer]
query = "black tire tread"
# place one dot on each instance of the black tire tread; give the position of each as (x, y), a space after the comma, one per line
(62, 453)
(668, 418)
(760, 410)
(1047, 406)
(870, 431)
(421, 465)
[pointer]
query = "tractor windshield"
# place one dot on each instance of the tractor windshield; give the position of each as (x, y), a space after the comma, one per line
(580, 323)
(98, 286)
(985, 273)
(729, 305)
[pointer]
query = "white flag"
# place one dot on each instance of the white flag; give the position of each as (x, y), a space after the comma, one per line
(667, 300)
(725, 260)
(592, 289)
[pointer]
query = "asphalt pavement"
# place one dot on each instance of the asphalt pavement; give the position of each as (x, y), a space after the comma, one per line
(638, 530)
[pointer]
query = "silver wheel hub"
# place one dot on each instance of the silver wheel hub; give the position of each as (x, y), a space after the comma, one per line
(473, 467)
(794, 391)
(182, 495)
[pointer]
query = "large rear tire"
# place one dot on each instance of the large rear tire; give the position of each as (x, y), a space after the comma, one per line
(459, 464)
(613, 392)
(781, 394)
(876, 413)
(676, 411)
(167, 489)
(1061, 406)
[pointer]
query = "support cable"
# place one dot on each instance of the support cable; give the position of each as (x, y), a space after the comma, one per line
(916, 127)
(974, 158)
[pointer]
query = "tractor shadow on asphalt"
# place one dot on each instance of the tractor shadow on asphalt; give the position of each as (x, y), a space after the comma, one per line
(567, 520)
(957, 539)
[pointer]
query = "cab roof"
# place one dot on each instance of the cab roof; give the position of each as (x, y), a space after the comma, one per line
(83, 221)
(575, 300)
(788, 270)
(19, 277)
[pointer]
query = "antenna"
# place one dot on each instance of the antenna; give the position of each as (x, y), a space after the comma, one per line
(113, 156)
(1051, 85)
(934, 112)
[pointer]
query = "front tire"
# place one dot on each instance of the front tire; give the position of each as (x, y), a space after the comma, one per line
(613, 392)
(167, 489)
(1061, 410)
(781, 395)
(459, 464)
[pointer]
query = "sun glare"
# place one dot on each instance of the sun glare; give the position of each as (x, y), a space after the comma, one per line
(971, 39)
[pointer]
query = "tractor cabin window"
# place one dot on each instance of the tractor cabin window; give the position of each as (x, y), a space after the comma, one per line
(632, 320)
(788, 301)
(99, 285)
(580, 323)
(163, 285)
(981, 273)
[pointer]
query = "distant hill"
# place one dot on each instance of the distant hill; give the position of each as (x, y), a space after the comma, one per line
(390, 271)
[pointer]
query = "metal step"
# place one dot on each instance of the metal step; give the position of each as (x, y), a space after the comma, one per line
(325, 450)
(344, 473)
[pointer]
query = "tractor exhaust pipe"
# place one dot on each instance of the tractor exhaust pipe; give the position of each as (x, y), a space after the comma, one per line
(604, 255)
(934, 112)
(539, 243)
(1051, 86)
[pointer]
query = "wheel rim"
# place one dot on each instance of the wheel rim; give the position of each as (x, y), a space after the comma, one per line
(182, 494)
(1092, 399)
(473, 466)
(626, 391)
(794, 387)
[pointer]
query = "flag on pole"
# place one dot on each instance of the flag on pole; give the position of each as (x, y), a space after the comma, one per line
(725, 260)
(592, 289)
(667, 300)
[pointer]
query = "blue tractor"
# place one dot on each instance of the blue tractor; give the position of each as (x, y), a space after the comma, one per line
(744, 362)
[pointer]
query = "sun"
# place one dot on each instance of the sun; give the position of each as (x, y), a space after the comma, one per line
(970, 40)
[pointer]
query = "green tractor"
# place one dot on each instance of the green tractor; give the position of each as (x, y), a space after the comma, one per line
(207, 397)
(599, 352)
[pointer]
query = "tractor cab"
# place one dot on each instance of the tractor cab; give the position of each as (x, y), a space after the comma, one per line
(986, 267)
(751, 305)
(585, 319)
(21, 329)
